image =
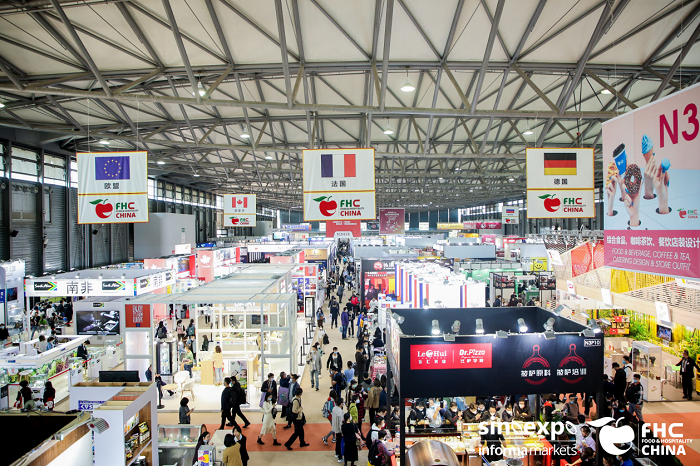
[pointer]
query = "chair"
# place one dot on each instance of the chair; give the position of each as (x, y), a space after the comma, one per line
(188, 386)
(183, 379)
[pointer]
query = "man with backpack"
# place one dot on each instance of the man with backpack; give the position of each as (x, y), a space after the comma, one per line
(335, 310)
(297, 416)
(238, 400)
(378, 455)
(339, 382)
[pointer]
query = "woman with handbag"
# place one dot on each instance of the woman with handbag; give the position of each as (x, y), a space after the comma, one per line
(349, 441)
(268, 420)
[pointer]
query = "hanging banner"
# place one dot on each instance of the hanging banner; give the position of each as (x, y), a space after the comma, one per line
(511, 214)
(343, 229)
(654, 229)
(450, 226)
(392, 221)
(112, 187)
(488, 225)
(339, 184)
(560, 183)
(239, 210)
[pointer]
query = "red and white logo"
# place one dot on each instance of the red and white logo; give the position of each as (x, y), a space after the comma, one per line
(451, 356)
(103, 209)
(238, 202)
(378, 266)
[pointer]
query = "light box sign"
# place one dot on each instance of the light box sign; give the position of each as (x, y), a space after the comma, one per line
(392, 221)
(488, 225)
(339, 184)
(650, 159)
(560, 183)
(138, 315)
(240, 210)
(112, 187)
(451, 356)
(511, 214)
(343, 229)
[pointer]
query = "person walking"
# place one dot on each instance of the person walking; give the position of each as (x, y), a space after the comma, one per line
(320, 317)
(620, 382)
(635, 397)
(344, 322)
(315, 364)
(373, 399)
(335, 361)
(299, 421)
(293, 387)
(243, 441)
(218, 359)
(270, 385)
(360, 362)
(227, 402)
(238, 400)
(232, 453)
(350, 440)
(268, 420)
(180, 329)
(334, 307)
(341, 290)
(336, 426)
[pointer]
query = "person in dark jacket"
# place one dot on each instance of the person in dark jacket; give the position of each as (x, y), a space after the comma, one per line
(82, 351)
(522, 411)
(227, 402)
(620, 382)
(270, 385)
(239, 400)
(240, 438)
(360, 361)
(335, 361)
(348, 430)
(49, 396)
(688, 367)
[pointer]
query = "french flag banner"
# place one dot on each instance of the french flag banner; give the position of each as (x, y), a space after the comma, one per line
(338, 166)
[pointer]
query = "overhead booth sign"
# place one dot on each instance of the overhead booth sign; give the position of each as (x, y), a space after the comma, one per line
(112, 187)
(650, 161)
(339, 184)
(392, 221)
(560, 183)
(511, 214)
(239, 210)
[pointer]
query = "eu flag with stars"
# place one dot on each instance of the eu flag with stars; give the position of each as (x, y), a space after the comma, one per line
(115, 167)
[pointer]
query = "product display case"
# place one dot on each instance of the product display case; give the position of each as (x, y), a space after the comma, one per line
(647, 362)
(177, 443)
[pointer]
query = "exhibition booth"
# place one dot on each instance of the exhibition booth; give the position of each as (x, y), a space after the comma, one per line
(12, 297)
(216, 262)
(465, 351)
(427, 284)
(251, 316)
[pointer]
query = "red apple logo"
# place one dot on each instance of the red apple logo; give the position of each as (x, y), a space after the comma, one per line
(102, 208)
(234, 220)
(682, 213)
(378, 266)
(326, 206)
(550, 202)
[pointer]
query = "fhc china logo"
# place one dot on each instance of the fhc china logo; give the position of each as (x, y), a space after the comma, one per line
(571, 204)
(348, 207)
(104, 209)
(688, 213)
(240, 221)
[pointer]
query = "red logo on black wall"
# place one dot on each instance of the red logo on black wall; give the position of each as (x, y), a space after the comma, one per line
(535, 369)
(572, 368)
(378, 266)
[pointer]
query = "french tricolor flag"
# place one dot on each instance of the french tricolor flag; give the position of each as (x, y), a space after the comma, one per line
(338, 166)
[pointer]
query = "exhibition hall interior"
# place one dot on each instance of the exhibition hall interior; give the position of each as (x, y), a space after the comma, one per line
(315, 232)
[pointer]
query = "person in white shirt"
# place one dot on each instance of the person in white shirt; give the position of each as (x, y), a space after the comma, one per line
(373, 305)
(627, 367)
(587, 440)
(433, 413)
(42, 344)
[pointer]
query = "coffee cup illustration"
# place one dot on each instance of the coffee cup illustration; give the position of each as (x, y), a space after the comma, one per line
(620, 158)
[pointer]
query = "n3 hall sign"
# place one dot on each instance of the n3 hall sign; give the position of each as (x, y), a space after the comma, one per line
(112, 187)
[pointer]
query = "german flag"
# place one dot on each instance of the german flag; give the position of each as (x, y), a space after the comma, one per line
(560, 163)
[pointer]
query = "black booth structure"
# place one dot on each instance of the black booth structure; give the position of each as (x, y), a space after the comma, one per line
(506, 359)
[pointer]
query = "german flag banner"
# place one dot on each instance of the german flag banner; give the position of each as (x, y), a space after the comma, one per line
(560, 163)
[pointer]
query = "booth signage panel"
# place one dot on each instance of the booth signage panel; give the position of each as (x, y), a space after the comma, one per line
(658, 234)
(423, 226)
(240, 220)
(520, 364)
(138, 315)
(236, 204)
(488, 225)
(343, 229)
(339, 184)
(511, 214)
(551, 168)
(297, 226)
(451, 356)
(112, 187)
(392, 221)
(561, 203)
(450, 226)
(80, 287)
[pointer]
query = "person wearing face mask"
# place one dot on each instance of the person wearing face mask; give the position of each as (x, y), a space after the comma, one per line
(270, 385)
(335, 361)
(314, 362)
(418, 414)
(492, 414)
(243, 441)
(572, 412)
(635, 397)
(373, 399)
(622, 414)
(507, 414)
(522, 411)
(586, 439)
(433, 413)
(472, 414)
(360, 362)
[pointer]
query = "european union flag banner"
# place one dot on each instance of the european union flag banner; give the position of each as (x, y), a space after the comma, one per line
(112, 168)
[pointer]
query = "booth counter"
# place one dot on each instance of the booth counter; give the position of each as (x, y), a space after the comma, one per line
(57, 365)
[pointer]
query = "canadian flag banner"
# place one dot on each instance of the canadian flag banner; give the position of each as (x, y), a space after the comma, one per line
(235, 204)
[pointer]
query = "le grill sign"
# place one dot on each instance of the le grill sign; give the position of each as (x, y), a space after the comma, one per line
(451, 356)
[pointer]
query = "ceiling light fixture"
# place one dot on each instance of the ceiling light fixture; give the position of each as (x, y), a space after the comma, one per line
(2, 105)
(511, 179)
(269, 157)
(245, 135)
(479, 327)
(527, 131)
(606, 91)
(407, 86)
(521, 325)
(200, 89)
(104, 142)
(436, 328)
(160, 162)
(388, 130)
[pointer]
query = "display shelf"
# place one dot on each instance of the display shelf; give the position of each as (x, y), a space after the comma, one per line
(141, 449)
